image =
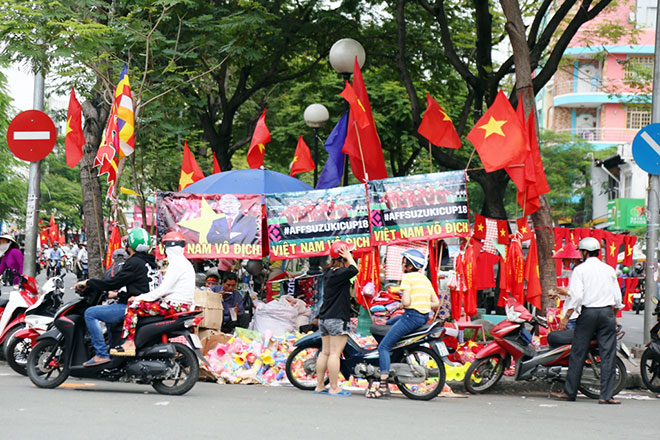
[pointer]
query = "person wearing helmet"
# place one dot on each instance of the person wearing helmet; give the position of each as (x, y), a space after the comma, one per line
(174, 295)
(334, 316)
(138, 274)
(56, 254)
(11, 257)
(595, 293)
(418, 298)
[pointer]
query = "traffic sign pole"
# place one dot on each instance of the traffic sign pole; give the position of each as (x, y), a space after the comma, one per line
(654, 193)
(32, 212)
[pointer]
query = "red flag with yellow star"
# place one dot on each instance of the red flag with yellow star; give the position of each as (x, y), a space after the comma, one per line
(260, 137)
(498, 136)
(479, 227)
(358, 112)
(534, 291)
(503, 232)
(629, 242)
(524, 229)
(437, 126)
(612, 244)
(74, 139)
(302, 159)
(114, 243)
(190, 171)
(216, 165)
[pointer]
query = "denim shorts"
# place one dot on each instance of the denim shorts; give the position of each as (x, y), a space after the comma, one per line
(333, 327)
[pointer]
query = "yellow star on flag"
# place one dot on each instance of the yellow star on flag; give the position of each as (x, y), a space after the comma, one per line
(612, 249)
(493, 127)
(203, 223)
(68, 128)
(445, 116)
(480, 227)
(523, 230)
(262, 147)
(502, 232)
(361, 106)
(628, 250)
(295, 158)
(186, 179)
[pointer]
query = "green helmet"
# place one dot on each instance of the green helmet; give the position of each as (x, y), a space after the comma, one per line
(139, 240)
(625, 270)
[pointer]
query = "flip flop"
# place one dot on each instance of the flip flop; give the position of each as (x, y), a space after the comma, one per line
(341, 393)
(121, 351)
(93, 363)
(325, 391)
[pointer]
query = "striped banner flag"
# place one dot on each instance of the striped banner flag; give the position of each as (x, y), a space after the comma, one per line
(125, 115)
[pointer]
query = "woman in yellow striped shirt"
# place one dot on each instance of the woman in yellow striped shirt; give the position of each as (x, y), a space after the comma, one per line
(418, 299)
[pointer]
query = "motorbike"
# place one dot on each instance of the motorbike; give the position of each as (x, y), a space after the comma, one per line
(12, 310)
(82, 270)
(417, 366)
(167, 352)
(650, 363)
(37, 319)
(512, 341)
(53, 268)
(638, 297)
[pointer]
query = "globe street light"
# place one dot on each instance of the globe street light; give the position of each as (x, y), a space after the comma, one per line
(316, 115)
(342, 59)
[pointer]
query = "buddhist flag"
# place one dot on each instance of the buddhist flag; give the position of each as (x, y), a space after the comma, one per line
(125, 115)
(74, 139)
(532, 276)
(190, 171)
(260, 138)
(479, 227)
(437, 126)
(363, 142)
(113, 244)
(216, 165)
(302, 159)
(498, 136)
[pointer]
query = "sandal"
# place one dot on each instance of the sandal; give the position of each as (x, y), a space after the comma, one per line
(121, 351)
(381, 391)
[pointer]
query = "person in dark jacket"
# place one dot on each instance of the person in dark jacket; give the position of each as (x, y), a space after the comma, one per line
(139, 274)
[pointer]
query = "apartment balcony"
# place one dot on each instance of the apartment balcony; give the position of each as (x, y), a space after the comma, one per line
(594, 92)
(602, 135)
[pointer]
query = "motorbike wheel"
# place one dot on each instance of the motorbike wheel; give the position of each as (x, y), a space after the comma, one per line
(46, 366)
(187, 375)
(18, 351)
(650, 369)
(8, 339)
(435, 374)
(593, 391)
(483, 374)
(301, 367)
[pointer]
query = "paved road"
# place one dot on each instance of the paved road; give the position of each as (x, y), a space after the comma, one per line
(99, 410)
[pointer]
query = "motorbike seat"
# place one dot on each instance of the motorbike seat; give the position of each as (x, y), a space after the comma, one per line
(558, 338)
(379, 331)
(3, 302)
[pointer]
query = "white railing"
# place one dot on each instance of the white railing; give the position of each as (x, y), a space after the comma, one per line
(614, 135)
(596, 85)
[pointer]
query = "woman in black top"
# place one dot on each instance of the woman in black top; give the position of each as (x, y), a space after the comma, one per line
(334, 316)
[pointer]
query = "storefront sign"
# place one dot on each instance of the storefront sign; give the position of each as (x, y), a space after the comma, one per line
(215, 225)
(626, 214)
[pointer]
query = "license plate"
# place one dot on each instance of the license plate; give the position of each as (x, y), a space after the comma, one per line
(195, 340)
(637, 295)
(442, 348)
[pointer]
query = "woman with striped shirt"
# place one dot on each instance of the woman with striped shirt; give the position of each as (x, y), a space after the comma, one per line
(417, 298)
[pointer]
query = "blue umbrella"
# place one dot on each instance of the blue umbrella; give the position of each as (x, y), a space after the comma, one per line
(250, 181)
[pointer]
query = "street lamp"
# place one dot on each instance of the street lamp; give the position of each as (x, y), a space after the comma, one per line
(316, 115)
(342, 59)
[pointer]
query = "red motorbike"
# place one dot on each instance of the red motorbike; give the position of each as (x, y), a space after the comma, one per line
(12, 310)
(512, 342)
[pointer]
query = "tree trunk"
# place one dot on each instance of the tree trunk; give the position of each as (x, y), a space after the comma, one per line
(541, 218)
(493, 185)
(95, 116)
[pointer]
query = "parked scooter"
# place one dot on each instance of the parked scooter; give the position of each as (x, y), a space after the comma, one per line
(53, 268)
(37, 319)
(511, 341)
(650, 366)
(12, 311)
(169, 367)
(417, 361)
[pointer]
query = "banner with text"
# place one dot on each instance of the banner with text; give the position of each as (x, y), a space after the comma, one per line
(422, 207)
(215, 225)
(305, 224)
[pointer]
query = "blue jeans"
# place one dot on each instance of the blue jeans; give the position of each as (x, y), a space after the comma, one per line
(571, 324)
(109, 314)
(410, 321)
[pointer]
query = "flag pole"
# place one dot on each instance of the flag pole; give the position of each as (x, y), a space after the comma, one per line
(364, 167)
(470, 159)
(430, 158)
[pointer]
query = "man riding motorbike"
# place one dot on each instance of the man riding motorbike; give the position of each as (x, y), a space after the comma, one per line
(138, 274)
(56, 255)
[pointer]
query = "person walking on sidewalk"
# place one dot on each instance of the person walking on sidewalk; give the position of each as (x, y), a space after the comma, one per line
(334, 316)
(595, 293)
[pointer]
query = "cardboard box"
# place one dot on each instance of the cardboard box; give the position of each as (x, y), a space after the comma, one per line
(210, 303)
(210, 342)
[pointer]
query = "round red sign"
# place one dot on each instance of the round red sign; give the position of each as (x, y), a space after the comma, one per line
(31, 135)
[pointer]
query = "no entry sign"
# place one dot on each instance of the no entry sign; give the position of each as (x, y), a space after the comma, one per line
(31, 135)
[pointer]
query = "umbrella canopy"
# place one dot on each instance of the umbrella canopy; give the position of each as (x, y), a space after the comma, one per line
(250, 181)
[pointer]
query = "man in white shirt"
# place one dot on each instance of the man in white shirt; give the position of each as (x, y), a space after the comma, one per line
(595, 293)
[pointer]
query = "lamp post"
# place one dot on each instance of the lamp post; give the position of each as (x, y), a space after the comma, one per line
(316, 115)
(342, 59)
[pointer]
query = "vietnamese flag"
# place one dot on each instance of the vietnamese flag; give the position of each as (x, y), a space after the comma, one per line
(479, 227)
(114, 243)
(612, 244)
(498, 136)
(216, 165)
(260, 137)
(53, 230)
(190, 171)
(302, 159)
(629, 242)
(74, 139)
(437, 126)
(470, 301)
(358, 112)
(524, 229)
(362, 145)
(532, 276)
(368, 271)
(502, 231)
(630, 286)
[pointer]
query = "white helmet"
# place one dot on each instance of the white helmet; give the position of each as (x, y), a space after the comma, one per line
(589, 244)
